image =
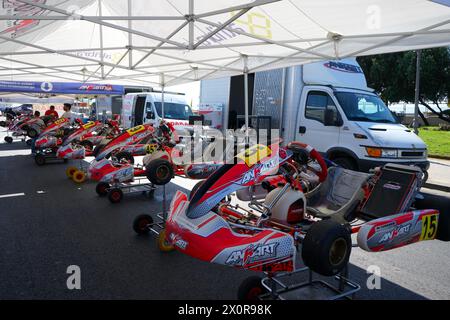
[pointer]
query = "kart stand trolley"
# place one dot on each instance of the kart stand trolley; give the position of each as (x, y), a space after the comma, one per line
(337, 288)
(117, 190)
(144, 224)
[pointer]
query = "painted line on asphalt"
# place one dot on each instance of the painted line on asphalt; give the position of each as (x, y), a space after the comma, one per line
(12, 195)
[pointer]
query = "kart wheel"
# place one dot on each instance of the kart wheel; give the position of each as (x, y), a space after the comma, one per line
(250, 289)
(141, 223)
(79, 177)
(102, 189)
(160, 172)
(3, 124)
(128, 157)
(70, 171)
(40, 160)
(32, 133)
(163, 244)
(9, 140)
(326, 248)
(115, 195)
(194, 189)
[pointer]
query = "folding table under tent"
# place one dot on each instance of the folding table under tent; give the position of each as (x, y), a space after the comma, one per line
(136, 41)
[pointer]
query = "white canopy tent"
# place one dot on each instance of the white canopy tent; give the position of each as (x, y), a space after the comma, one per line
(134, 41)
(169, 42)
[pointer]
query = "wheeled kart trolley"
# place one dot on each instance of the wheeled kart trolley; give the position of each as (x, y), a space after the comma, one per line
(117, 190)
(144, 224)
(46, 155)
(289, 286)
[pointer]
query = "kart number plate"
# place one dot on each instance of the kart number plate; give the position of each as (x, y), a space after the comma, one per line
(89, 125)
(60, 121)
(135, 130)
(429, 227)
(151, 148)
(254, 154)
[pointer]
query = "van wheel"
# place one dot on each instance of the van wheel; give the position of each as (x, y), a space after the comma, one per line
(346, 163)
(326, 247)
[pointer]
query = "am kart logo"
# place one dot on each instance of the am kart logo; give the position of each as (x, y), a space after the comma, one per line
(92, 87)
(343, 67)
(252, 253)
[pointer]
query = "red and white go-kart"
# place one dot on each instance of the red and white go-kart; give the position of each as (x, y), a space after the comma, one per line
(312, 210)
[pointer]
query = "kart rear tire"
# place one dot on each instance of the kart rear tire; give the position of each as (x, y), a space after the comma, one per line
(140, 224)
(79, 177)
(40, 160)
(160, 172)
(125, 156)
(327, 247)
(102, 189)
(194, 189)
(70, 171)
(115, 195)
(250, 289)
(9, 140)
(3, 124)
(163, 244)
(32, 133)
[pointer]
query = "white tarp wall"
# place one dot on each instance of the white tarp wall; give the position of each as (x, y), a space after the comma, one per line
(134, 41)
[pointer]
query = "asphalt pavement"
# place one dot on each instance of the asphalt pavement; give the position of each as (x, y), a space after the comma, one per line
(48, 223)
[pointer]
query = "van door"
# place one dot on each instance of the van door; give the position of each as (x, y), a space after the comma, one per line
(127, 111)
(139, 111)
(311, 127)
(150, 112)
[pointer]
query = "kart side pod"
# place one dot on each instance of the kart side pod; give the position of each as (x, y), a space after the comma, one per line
(398, 230)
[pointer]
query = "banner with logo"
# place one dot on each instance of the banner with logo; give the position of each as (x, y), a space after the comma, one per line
(61, 88)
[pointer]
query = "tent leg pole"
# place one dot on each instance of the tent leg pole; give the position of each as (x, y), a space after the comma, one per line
(247, 140)
(417, 93)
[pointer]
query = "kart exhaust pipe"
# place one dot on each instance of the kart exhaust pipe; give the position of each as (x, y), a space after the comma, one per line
(398, 230)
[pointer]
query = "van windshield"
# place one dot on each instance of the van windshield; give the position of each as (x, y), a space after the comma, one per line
(364, 107)
(177, 111)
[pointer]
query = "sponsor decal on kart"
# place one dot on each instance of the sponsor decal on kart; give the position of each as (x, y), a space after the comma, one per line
(252, 253)
(178, 241)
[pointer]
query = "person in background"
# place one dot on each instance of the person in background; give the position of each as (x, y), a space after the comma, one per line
(41, 123)
(52, 112)
(67, 112)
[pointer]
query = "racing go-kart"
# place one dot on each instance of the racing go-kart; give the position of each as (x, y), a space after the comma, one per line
(309, 209)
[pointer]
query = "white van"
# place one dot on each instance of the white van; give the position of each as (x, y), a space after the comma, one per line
(140, 108)
(329, 106)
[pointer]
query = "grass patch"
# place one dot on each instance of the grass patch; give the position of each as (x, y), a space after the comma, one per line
(438, 142)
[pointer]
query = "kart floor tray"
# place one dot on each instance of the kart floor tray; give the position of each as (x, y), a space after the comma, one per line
(316, 290)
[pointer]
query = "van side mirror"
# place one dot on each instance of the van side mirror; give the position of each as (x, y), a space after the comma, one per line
(150, 115)
(332, 118)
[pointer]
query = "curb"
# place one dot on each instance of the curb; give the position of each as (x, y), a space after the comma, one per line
(432, 156)
(439, 187)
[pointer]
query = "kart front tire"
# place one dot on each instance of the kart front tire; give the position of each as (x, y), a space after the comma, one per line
(39, 160)
(102, 189)
(70, 171)
(163, 244)
(251, 289)
(79, 177)
(32, 133)
(327, 247)
(160, 172)
(9, 140)
(115, 195)
(141, 224)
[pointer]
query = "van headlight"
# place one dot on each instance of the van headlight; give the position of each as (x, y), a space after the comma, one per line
(381, 153)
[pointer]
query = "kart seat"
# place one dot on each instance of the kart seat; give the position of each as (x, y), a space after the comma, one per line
(338, 196)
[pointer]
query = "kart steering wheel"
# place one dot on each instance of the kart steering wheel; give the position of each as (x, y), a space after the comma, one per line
(314, 155)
